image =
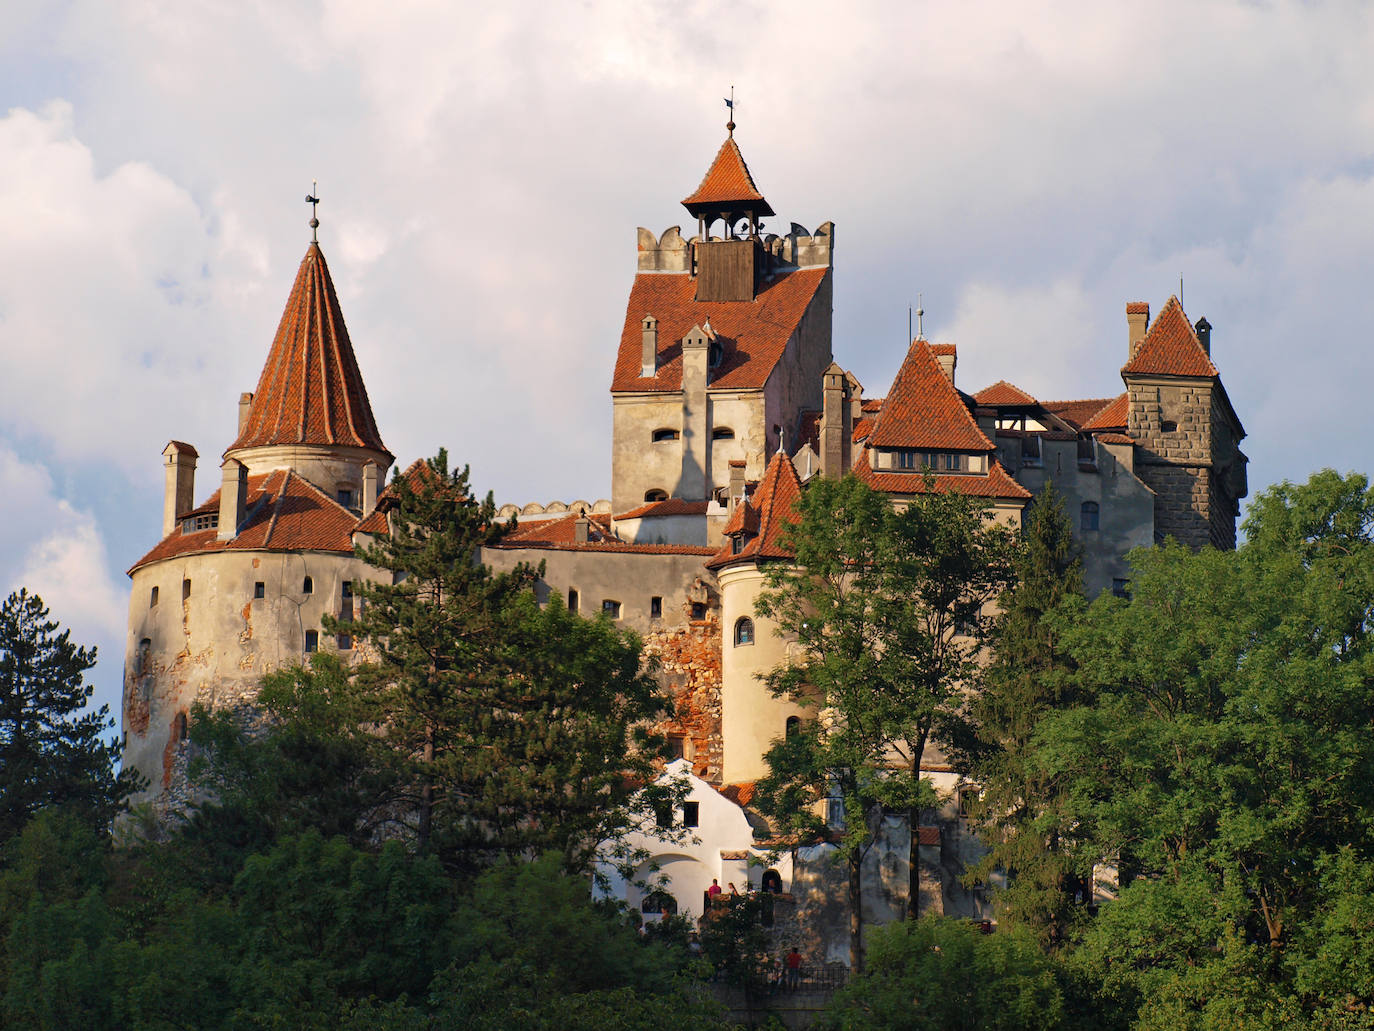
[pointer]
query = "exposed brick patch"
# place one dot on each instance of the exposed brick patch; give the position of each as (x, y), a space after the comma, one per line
(689, 669)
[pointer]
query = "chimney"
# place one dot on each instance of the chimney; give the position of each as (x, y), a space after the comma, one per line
(245, 405)
(370, 477)
(948, 358)
(1204, 334)
(736, 484)
(1137, 322)
(837, 429)
(581, 529)
(233, 498)
(649, 359)
(856, 399)
(179, 495)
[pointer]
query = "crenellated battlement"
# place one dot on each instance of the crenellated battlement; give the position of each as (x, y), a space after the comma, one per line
(800, 248)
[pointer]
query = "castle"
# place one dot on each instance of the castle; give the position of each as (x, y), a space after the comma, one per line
(726, 400)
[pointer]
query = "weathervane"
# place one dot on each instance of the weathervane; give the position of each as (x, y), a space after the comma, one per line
(730, 106)
(313, 200)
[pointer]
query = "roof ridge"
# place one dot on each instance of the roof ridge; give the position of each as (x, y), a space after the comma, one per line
(923, 409)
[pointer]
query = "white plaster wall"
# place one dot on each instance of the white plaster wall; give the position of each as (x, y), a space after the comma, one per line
(751, 718)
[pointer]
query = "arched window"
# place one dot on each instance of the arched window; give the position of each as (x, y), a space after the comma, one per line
(664, 434)
(1088, 516)
(744, 631)
(656, 495)
(308, 586)
(722, 433)
(659, 902)
(793, 726)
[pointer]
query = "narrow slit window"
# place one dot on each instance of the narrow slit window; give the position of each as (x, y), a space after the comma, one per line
(308, 586)
(691, 814)
(185, 590)
(655, 607)
(722, 433)
(572, 599)
(152, 598)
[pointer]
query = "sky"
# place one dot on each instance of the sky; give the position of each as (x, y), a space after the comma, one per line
(1025, 169)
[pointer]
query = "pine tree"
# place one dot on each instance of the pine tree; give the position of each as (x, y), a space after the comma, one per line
(1022, 825)
(51, 752)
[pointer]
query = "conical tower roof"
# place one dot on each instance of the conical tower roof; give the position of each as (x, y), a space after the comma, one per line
(728, 186)
(311, 391)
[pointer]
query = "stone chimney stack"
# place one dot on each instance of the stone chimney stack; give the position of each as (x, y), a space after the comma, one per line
(948, 358)
(1204, 334)
(736, 484)
(649, 361)
(179, 495)
(370, 477)
(581, 529)
(837, 427)
(1137, 322)
(245, 403)
(233, 498)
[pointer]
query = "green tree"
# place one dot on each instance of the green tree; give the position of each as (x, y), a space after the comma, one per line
(886, 607)
(1020, 810)
(51, 752)
(938, 974)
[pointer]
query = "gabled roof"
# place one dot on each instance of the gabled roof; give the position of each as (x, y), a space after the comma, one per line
(727, 185)
(1076, 413)
(998, 483)
(1170, 348)
(1003, 394)
(311, 391)
(776, 497)
(745, 519)
(561, 530)
(668, 507)
(286, 512)
(1111, 416)
(924, 410)
(753, 333)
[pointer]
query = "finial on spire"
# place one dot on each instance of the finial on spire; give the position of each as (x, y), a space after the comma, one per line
(920, 317)
(312, 199)
(730, 106)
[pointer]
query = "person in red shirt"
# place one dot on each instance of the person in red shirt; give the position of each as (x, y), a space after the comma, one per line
(793, 963)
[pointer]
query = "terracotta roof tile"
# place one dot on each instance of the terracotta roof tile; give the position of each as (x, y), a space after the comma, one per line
(374, 524)
(1137, 308)
(1076, 413)
(924, 410)
(286, 513)
(1112, 415)
(562, 530)
(745, 519)
(670, 507)
(943, 350)
(741, 794)
(872, 404)
(183, 447)
(777, 495)
(727, 184)
(1170, 348)
(998, 483)
(1115, 438)
(753, 333)
(311, 391)
(1003, 393)
(606, 547)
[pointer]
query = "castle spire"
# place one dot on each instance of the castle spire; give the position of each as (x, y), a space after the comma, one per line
(311, 391)
(728, 191)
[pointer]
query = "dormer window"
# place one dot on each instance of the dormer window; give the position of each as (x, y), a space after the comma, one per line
(664, 434)
(345, 496)
(908, 459)
(715, 354)
(204, 521)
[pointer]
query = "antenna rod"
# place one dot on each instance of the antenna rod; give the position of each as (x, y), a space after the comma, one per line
(908, 325)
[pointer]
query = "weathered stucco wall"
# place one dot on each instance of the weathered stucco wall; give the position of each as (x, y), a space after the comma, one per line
(638, 463)
(215, 645)
(796, 382)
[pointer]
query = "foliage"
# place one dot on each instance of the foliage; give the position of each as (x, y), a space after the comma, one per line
(939, 974)
(1021, 809)
(886, 609)
(51, 752)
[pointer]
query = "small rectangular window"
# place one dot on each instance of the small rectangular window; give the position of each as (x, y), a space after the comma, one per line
(1030, 450)
(345, 642)
(906, 459)
(259, 590)
(676, 746)
(307, 586)
(953, 463)
(572, 599)
(655, 607)
(312, 640)
(345, 497)
(1121, 587)
(691, 814)
(663, 816)
(698, 610)
(611, 608)
(348, 588)
(152, 598)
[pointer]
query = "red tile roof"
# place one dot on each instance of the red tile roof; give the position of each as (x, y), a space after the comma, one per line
(745, 519)
(1170, 348)
(1137, 308)
(286, 513)
(924, 410)
(562, 530)
(1003, 393)
(183, 447)
(996, 484)
(311, 391)
(776, 497)
(1115, 438)
(753, 333)
(670, 507)
(1076, 413)
(1112, 415)
(943, 350)
(872, 404)
(607, 547)
(727, 185)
